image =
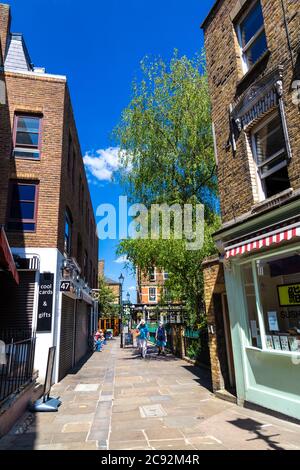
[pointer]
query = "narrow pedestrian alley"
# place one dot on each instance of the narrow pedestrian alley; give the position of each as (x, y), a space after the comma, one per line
(118, 401)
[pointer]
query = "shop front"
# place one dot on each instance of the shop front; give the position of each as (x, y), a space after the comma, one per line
(262, 276)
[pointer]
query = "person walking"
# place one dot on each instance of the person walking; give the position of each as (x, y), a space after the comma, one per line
(143, 337)
(161, 338)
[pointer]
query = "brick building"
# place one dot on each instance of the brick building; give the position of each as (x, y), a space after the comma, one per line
(150, 286)
(46, 209)
(252, 287)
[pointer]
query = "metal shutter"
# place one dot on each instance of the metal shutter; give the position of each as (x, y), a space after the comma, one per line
(16, 304)
(66, 336)
(81, 344)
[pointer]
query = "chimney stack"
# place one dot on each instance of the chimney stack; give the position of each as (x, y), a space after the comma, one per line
(5, 20)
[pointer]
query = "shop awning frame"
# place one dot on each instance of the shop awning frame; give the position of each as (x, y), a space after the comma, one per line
(6, 258)
(265, 240)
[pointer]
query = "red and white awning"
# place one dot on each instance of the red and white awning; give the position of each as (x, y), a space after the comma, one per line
(263, 242)
(6, 258)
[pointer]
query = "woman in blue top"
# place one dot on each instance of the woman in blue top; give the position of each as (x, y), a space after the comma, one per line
(161, 338)
(143, 337)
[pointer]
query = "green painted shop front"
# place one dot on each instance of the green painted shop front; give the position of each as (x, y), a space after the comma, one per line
(266, 333)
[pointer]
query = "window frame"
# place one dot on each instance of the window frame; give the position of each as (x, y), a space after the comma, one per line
(68, 218)
(252, 137)
(166, 276)
(246, 47)
(22, 221)
(25, 147)
(152, 278)
(259, 308)
(149, 295)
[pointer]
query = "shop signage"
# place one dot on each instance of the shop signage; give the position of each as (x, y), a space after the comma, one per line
(289, 295)
(65, 286)
(44, 319)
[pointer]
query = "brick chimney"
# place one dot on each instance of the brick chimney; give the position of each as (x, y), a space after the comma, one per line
(5, 20)
(101, 268)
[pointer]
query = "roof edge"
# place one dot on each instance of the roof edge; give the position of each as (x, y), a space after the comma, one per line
(211, 11)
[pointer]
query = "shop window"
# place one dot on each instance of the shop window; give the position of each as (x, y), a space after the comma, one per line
(27, 136)
(152, 294)
(270, 154)
(272, 295)
(279, 291)
(23, 207)
(68, 234)
(251, 35)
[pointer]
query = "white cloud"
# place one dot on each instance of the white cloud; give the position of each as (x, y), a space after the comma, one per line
(132, 288)
(122, 259)
(103, 163)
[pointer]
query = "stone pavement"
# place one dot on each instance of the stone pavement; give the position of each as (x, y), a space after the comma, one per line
(118, 401)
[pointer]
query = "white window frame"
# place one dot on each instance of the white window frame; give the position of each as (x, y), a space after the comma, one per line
(166, 276)
(152, 278)
(149, 295)
(253, 132)
(260, 313)
(247, 46)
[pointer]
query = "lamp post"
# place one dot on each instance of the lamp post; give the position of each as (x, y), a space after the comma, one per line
(121, 282)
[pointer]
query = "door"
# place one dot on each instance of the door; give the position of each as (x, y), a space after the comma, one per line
(224, 344)
(82, 331)
(67, 335)
(229, 348)
(16, 305)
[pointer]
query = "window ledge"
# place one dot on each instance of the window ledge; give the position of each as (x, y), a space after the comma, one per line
(273, 201)
(253, 69)
(274, 352)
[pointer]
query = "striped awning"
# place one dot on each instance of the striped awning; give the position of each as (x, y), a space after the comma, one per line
(264, 241)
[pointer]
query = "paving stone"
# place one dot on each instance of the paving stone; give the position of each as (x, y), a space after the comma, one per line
(76, 427)
(86, 387)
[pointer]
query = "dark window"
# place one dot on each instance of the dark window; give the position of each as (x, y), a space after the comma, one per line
(85, 266)
(252, 36)
(23, 207)
(152, 274)
(68, 234)
(79, 250)
(27, 136)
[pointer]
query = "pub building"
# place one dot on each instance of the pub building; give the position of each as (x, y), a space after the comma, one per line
(48, 245)
(252, 286)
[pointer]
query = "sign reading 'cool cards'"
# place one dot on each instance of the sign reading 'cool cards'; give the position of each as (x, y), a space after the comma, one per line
(44, 320)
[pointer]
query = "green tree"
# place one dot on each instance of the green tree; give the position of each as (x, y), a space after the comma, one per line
(107, 306)
(167, 154)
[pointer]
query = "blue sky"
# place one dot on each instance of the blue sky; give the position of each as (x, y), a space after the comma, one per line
(98, 45)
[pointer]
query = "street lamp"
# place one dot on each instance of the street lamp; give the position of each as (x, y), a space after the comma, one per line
(121, 282)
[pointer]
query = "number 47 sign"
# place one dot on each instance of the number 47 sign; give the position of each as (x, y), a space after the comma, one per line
(65, 286)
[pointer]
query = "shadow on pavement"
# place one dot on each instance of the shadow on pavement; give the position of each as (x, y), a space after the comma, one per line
(255, 427)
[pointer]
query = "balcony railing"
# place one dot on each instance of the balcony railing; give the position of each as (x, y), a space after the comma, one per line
(16, 367)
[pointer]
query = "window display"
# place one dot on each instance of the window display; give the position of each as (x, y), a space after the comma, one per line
(278, 280)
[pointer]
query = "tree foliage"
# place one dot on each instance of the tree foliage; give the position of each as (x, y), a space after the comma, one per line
(107, 306)
(167, 154)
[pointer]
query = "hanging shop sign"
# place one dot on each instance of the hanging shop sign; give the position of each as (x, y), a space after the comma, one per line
(44, 320)
(289, 295)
